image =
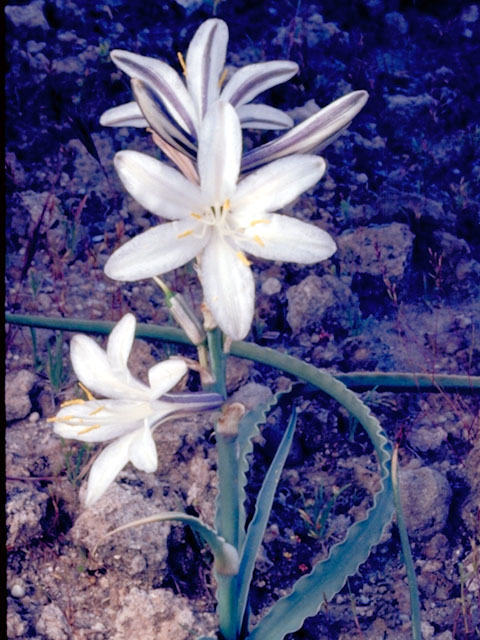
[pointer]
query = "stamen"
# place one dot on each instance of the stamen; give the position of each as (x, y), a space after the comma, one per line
(221, 80)
(89, 395)
(259, 241)
(185, 233)
(197, 216)
(243, 258)
(69, 403)
(252, 224)
(97, 410)
(60, 418)
(181, 59)
(226, 205)
(94, 426)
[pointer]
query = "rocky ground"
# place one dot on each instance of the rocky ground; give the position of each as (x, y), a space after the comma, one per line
(401, 294)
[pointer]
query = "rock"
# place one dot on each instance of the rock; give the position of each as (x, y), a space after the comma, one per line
(427, 438)
(404, 109)
(426, 496)
(17, 388)
(252, 394)
(154, 615)
(238, 372)
(271, 286)
(53, 624)
(320, 303)
(378, 250)
(16, 627)
(397, 22)
(29, 16)
(25, 508)
(391, 201)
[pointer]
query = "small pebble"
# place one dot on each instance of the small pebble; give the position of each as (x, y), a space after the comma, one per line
(17, 591)
(34, 417)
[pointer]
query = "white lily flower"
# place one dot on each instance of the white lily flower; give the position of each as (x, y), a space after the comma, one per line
(174, 109)
(130, 411)
(220, 219)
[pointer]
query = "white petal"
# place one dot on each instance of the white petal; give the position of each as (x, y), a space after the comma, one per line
(311, 133)
(106, 468)
(120, 342)
(101, 420)
(154, 114)
(261, 116)
(165, 375)
(286, 239)
(125, 115)
(156, 186)
(142, 450)
(205, 62)
(166, 83)
(277, 184)
(228, 286)
(219, 152)
(156, 251)
(93, 369)
(251, 80)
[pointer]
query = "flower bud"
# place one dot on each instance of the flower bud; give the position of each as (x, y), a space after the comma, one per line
(186, 318)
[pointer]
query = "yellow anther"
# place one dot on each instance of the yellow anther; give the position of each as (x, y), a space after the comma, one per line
(181, 59)
(243, 258)
(86, 391)
(94, 426)
(60, 418)
(185, 233)
(226, 205)
(221, 80)
(69, 403)
(252, 224)
(97, 410)
(197, 216)
(52, 419)
(259, 241)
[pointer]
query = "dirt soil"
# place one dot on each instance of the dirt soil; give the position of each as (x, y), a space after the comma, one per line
(401, 198)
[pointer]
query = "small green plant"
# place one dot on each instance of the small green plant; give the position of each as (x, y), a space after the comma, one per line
(54, 368)
(317, 510)
(76, 459)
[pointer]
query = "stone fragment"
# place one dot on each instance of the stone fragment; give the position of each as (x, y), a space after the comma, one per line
(153, 615)
(377, 250)
(25, 508)
(427, 438)
(426, 496)
(52, 623)
(252, 394)
(397, 22)
(320, 303)
(28, 16)
(17, 388)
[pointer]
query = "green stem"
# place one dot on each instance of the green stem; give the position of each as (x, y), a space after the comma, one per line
(227, 501)
(405, 382)
(217, 361)
(407, 553)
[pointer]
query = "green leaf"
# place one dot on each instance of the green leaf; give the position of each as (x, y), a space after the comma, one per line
(263, 507)
(329, 576)
(247, 430)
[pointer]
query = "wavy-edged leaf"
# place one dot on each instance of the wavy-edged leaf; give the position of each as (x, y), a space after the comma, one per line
(247, 430)
(329, 576)
(263, 507)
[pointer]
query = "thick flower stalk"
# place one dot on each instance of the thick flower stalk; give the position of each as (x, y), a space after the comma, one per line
(219, 220)
(129, 411)
(175, 108)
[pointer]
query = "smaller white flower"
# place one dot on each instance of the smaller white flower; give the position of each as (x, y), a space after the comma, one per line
(175, 108)
(130, 411)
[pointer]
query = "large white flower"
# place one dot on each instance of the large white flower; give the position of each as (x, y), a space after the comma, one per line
(218, 220)
(130, 411)
(174, 109)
